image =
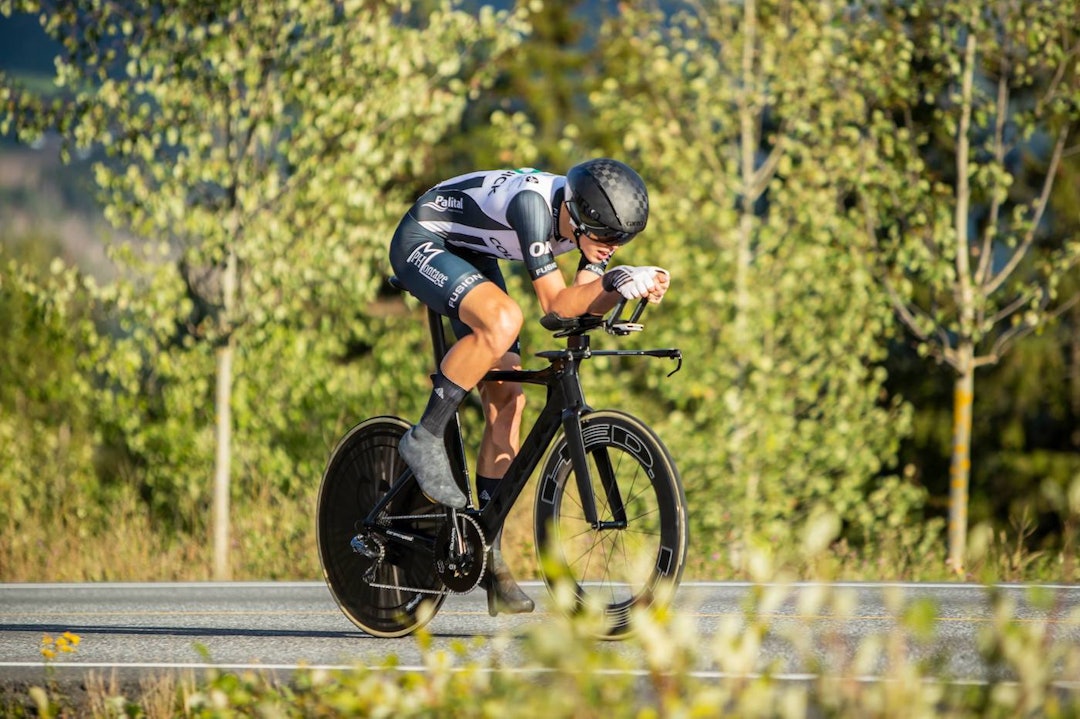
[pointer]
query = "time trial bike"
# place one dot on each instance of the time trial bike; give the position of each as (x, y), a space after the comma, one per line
(609, 513)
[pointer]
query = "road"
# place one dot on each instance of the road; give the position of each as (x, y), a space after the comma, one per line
(135, 629)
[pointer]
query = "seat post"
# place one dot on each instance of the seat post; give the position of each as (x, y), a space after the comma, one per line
(435, 325)
(438, 336)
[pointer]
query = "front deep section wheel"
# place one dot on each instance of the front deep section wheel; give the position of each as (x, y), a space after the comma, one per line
(633, 555)
(387, 589)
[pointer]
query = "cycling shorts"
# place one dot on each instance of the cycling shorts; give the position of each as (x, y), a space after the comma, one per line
(441, 275)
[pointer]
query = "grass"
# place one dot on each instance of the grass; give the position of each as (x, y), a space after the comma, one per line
(273, 538)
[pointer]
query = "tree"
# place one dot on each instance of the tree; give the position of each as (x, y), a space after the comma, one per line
(544, 79)
(747, 125)
(977, 136)
(258, 148)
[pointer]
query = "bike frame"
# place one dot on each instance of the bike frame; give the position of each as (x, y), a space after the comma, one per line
(564, 407)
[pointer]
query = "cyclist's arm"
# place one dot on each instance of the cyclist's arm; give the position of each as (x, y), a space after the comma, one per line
(585, 296)
(530, 216)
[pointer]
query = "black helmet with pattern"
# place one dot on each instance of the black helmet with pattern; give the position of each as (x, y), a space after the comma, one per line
(607, 199)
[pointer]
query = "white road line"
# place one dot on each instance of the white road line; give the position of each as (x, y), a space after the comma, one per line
(420, 669)
(876, 585)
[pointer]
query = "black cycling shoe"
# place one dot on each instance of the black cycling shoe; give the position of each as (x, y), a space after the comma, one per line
(503, 592)
(426, 456)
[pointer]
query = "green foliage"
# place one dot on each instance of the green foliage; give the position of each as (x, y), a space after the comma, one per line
(974, 146)
(46, 438)
(543, 80)
(259, 150)
(751, 143)
(975, 153)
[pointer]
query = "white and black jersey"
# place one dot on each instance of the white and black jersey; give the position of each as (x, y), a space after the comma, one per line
(456, 233)
(511, 214)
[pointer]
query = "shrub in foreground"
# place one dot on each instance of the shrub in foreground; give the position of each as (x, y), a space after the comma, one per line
(666, 669)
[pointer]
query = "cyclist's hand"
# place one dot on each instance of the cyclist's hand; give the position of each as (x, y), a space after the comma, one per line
(637, 282)
(662, 282)
(629, 281)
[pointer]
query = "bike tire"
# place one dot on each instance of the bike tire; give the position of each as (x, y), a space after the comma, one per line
(611, 569)
(360, 471)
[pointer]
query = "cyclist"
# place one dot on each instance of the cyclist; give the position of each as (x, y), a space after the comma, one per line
(446, 251)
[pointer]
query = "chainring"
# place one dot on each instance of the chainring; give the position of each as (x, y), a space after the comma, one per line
(461, 555)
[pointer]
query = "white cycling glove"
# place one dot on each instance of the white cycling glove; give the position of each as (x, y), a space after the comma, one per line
(631, 282)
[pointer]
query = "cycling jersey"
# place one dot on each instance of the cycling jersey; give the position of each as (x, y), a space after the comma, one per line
(453, 236)
(511, 214)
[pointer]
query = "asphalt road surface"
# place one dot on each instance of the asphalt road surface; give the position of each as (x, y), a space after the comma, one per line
(138, 629)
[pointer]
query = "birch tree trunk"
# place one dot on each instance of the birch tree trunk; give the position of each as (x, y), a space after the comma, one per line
(749, 143)
(223, 407)
(960, 466)
(963, 359)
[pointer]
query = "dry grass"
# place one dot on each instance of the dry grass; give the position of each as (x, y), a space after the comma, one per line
(275, 540)
(130, 546)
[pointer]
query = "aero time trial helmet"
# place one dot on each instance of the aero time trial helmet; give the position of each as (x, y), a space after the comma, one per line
(607, 199)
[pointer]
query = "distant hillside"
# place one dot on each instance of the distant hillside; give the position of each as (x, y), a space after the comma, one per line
(44, 200)
(24, 46)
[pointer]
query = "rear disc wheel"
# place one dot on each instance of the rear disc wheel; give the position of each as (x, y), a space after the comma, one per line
(385, 588)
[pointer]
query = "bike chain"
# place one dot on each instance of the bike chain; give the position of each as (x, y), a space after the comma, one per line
(385, 521)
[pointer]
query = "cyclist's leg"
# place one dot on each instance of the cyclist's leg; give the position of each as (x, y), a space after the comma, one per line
(494, 320)
(452, 285)
(488, 318)
(504, 403)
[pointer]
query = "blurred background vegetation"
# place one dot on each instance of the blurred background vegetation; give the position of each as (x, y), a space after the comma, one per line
(201, 199)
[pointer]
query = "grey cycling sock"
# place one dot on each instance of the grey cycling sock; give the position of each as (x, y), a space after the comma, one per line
(426, 456)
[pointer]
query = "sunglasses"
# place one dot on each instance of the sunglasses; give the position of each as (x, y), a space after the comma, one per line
(598, 233)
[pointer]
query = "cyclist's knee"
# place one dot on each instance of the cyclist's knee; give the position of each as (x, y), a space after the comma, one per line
(509, 318)
(500, 326)
(493, 317)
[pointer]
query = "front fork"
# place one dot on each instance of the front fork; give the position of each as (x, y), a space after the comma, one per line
(572, 416)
